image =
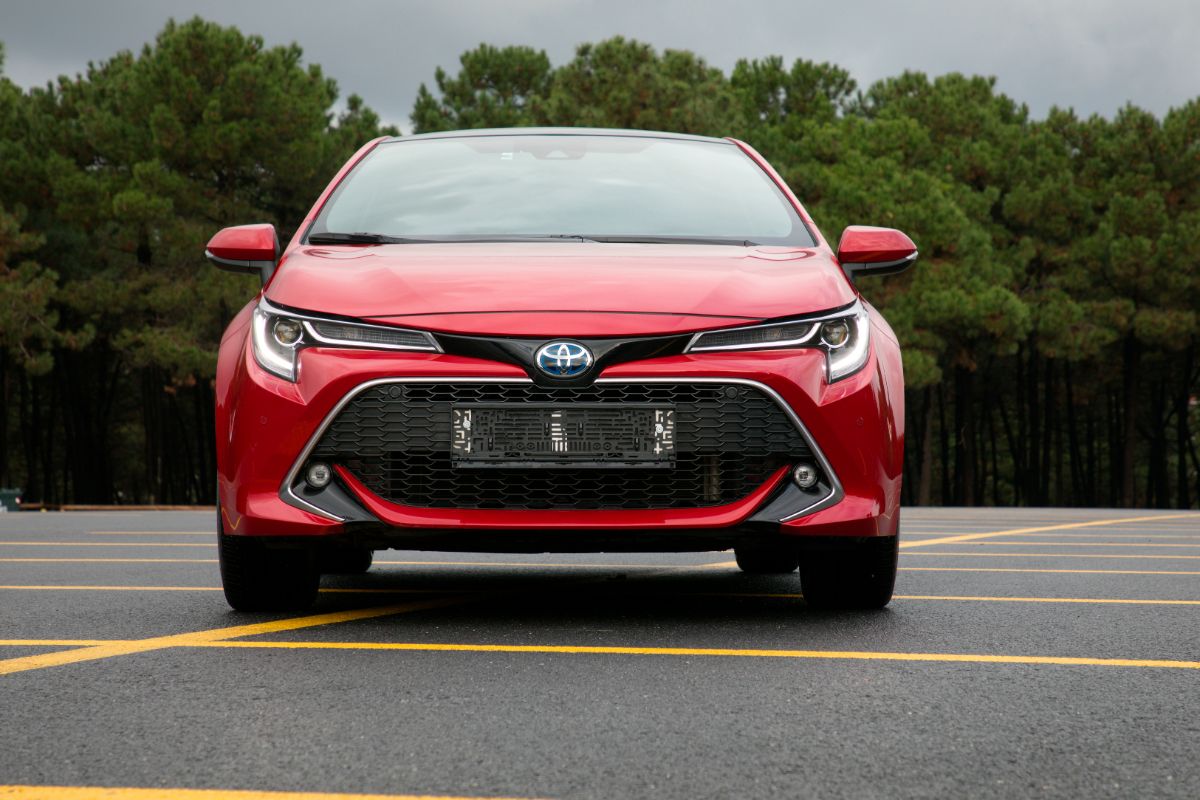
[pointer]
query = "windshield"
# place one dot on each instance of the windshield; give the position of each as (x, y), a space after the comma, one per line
(611, 188)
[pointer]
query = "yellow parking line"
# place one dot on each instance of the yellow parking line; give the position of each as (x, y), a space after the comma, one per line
(110, 650)
(970, 598)
(1172, 557)
(859, 655)
(108, 560)
(1111, 535)
(108, 544)
(967, 537)
(110, 793)
(1102, 600)
(58, 642)
(694, 594)
(1055, 571)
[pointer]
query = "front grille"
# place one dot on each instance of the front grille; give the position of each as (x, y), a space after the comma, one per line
(397, 440)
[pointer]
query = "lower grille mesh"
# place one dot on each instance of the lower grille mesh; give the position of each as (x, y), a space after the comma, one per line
(396, 439)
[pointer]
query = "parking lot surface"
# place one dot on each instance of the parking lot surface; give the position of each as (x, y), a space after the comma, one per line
(1028, 652)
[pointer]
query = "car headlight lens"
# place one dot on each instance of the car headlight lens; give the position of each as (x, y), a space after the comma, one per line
(847, 358)
(279, 336)
(835, 334)
(287, 331)
(844, 337)
(270, 350)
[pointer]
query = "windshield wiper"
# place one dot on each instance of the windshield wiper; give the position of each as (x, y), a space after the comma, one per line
(330, 237)
(672, 240)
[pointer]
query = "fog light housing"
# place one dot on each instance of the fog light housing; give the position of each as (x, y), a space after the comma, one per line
(318, 475)
(805, 476)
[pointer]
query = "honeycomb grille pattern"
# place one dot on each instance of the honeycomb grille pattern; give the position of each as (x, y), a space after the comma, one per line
(396, 439)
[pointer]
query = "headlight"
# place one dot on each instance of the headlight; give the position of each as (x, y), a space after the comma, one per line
(280, 335)
(270, 350)
(844, 337)
(854, 333)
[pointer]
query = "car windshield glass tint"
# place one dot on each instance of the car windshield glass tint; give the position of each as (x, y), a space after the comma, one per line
(555, 185)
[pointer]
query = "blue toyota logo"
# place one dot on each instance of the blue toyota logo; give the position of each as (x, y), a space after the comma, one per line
(563, 359)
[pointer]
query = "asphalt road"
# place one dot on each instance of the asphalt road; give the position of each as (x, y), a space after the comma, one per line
(1055, 655)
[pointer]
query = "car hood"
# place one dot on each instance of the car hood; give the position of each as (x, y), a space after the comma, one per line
(559, 289)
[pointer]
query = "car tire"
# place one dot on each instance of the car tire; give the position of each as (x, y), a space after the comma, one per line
(257, 578)
(769, 559)
(860, 577)
(347, 561)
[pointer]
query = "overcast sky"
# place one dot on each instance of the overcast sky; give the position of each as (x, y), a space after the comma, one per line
(1091, 55)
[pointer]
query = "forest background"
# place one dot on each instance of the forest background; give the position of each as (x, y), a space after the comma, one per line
(1050, 328)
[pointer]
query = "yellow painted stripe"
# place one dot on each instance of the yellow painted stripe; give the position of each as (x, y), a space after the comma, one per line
(110, 793)
(968, 537)
(1172, 557)
(58, 642)
(1055, 571)
(110, 650)
(971, 598)
(859, 655)
(1111, 535)
(796, 595)
(108, 561)
(1102, 600)
(108, 544)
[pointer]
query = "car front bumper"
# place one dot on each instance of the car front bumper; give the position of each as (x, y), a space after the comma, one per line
(266, 427)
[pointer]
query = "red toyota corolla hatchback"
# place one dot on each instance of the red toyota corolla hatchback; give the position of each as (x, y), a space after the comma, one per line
(562, 340)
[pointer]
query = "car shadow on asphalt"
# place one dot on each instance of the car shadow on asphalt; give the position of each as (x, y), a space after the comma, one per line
(530, 599)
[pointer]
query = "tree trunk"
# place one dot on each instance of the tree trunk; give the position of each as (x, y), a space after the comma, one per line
(1048, 423)
(1075, 460)
(1130, 376)
(964, 444)
(1182, 434)
(925, 483)
(1031, 439)
(943, 436)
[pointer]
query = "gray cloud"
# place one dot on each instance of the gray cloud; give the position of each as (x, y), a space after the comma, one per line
(1091, 55)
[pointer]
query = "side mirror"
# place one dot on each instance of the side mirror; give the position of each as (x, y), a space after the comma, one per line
(245, 248)
(875, 251)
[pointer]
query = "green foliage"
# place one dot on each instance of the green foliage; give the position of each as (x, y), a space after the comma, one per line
(1050, 329)
(623, 83)
(493, 89)
(124, 173)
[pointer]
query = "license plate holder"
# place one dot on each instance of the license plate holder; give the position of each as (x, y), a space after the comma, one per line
(562, 435)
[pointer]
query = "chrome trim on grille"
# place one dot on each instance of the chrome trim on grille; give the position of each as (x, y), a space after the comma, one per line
(835, 492)
(289, 497)
(285, 491)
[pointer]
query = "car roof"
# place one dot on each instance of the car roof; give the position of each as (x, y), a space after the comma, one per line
(560, 132)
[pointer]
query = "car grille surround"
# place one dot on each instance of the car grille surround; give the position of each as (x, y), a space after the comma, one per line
(395, 438)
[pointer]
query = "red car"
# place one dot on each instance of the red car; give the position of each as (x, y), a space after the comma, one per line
(563, 340)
